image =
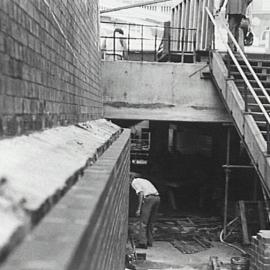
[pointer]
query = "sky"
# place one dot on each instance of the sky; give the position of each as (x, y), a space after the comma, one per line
(135, 13)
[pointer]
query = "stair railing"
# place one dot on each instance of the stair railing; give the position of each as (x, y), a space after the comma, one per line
(191, 14)
(248, 85)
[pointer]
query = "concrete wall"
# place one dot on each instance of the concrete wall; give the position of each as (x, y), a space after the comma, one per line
(159, 91)
(49, 64)
(87, 229)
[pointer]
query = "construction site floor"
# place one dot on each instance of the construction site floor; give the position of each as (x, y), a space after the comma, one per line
(163, 255)
(184, 242)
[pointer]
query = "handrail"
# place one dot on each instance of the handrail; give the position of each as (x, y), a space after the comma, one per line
(241, 70)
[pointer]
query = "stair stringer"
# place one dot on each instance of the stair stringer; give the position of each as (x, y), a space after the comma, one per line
(245, 123)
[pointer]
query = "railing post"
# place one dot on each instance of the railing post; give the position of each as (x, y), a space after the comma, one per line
(194, 45)
(142, 43)
(155, 57)
(169, 44)
(268, 137)
(246, 97)
(178, 38)
(183, 46)
(213, 37)
(128, 40)
(229, 65)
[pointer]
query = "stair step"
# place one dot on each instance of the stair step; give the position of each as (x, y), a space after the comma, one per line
(264, 133)
(252, 82)
(251, 99)
(258, 116)
(252, 61)
(260, 70)
(253, 107)
(256, 89)
(261, 124)
(256, 62)
(262, 77)
(266, 105)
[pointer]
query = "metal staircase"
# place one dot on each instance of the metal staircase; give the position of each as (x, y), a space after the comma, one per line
(244, 85)
(262, 70)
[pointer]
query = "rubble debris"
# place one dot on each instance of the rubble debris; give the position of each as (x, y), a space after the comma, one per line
(188, 234)
(240, 263)
(216, 264)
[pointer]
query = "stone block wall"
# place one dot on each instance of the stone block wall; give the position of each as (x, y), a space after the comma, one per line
(49, 64)
(87, 229)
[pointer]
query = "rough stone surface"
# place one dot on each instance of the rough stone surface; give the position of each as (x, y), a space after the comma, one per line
(87, 229)
(37, 169)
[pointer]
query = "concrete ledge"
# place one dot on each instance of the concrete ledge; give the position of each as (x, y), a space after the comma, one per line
(37, 170)
(87, 229)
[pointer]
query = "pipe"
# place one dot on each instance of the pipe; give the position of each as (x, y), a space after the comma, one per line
(133, 6)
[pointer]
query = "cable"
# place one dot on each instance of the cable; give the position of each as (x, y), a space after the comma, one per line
(228, 244)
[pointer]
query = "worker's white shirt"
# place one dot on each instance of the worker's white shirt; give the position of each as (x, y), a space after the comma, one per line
(143, 185)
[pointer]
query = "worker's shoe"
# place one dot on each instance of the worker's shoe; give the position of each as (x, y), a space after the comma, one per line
(143, 246)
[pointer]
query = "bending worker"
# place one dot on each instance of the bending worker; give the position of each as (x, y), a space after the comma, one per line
(235, 10)
(148, 205)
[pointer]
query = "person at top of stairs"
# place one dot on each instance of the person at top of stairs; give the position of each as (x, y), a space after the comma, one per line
(235, 11)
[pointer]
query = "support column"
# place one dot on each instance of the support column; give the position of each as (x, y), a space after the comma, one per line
(227, 177)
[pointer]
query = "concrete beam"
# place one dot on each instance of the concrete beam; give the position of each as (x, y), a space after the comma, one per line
(159, 91)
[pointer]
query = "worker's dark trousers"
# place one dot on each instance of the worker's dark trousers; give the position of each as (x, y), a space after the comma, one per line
(234, 26)
(148, 215)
